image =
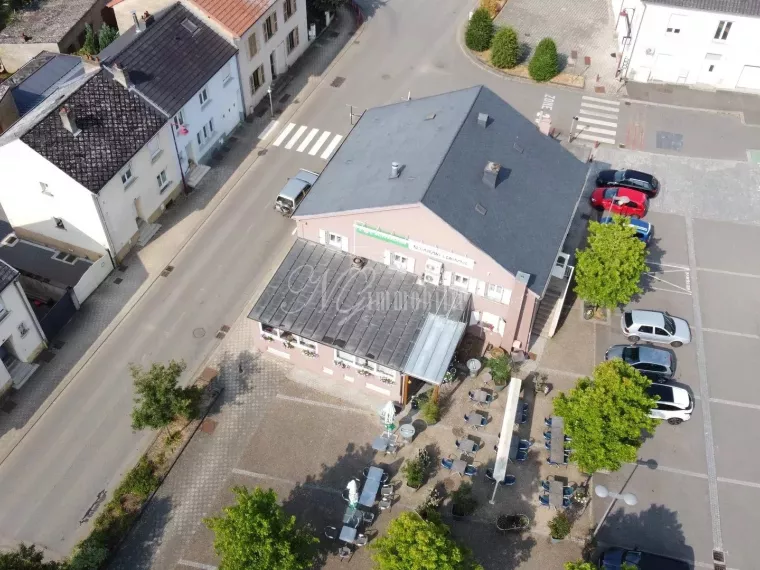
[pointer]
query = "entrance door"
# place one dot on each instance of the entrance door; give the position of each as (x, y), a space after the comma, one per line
(273, 65)
(710, 73)
(188, 157)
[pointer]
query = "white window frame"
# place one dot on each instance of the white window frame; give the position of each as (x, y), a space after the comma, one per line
(126, 175)
(253, 41)
(203, 97)
(23, 330)
(262, 79)
(273, 333)
(292, 40)
(305, 344)
(154, 147)
(227, 73)
(65, 258)
(721, 32)
(270, 26)
(399, 261)
(495, 292)
(163, 180)
(331, 238)
(44, 187)
(178, 120)
(289, 7)
(460, 281)
(370, 366)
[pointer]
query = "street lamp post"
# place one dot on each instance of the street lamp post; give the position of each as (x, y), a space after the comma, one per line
(572, 125)
(602, 492)
(271, 106)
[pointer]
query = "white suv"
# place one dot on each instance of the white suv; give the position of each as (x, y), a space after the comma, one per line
(675, 404)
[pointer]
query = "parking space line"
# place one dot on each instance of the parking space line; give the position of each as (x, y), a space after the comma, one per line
(255, 475)
(562, 372)
(192, 564)
(684, 267)
(671, 290)
(324, 405)
(697, 475)
(735, 403)
(738, 482)
(731, 333)
(731, 273)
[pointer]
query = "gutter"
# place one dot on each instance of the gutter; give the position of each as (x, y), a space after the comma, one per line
(635, 41)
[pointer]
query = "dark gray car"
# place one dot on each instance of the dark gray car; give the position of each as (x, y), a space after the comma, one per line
(654, 363)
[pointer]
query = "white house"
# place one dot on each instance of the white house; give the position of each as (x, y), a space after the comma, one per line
(269, 36)
(89, 168)
(707, 43)
(21, 337)
(188, 73)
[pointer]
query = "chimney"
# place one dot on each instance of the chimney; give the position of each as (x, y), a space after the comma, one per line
(68, 120)
(491, 174)
(138, 27)
(483, 120)
(148, 19)
(121, 75)
(395, 169)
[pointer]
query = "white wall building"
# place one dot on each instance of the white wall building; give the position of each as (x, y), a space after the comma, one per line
(693, 42)
(269, 37)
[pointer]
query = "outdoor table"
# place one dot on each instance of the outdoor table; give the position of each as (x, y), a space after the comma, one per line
(375, 473)
(466, 446)
(555, 493)
(557, 452)
(480, 396)
(352, 517)
(459, 466)
(381, 443)
(486, 377)
(514, 447)
(348, 534)
(475, 419)
(371, 487)
(407, 431)
(519, 412)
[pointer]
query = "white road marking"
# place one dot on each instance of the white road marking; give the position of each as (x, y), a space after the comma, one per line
(597, 122)
(295, 229)
(731, 333)
(605, 101)
(595, 139)
(733, 403)
(320, 141)
(323, 404)
(684, 267)
(305, 142)
(731, 273)
(294, 139)
(254, 475)
(598, 130)
(284, 134)
(671, 290)
(192, 564)
(597, 114)
(268, 130)
(599, 107)
(331, 147)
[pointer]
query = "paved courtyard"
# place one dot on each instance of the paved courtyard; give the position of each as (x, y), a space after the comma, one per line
(698, 484)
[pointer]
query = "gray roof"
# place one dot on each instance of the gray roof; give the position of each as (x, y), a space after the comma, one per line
(168, 64)
(25, 71)
(36, 85)
(374, 312)
(45, 21)
(741, 7)
(434, 348)
(7, 275)
(444, 150)
(38, 261)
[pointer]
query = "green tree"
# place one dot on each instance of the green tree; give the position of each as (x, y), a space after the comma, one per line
(88, 555)
(106, 36)
(605, 416)
(479, 30)
(160, 400)
(90, 46)
(505, 49)
(256, 534)
(414, 543)
(581, 565)
(27, 558)
(544, 65)
(608, 271)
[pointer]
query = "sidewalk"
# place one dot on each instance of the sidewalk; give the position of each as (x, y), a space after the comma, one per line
(745, 104)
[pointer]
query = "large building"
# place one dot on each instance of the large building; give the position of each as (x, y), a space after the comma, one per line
(708, 43)
(455, 193)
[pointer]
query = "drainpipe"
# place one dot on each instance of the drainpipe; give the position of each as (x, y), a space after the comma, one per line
(28, 306)
(633, 47)
(176, 153)
(110, 247)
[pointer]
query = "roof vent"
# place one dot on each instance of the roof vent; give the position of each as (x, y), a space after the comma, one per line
(148, 19)
(430, 117)
(491, 174)
(483, 119)
(9, 240)
(138, 26)
(396, 169)
(518, 148)
(358, 262)
(189, 26)
(480, 209)
(68, 120)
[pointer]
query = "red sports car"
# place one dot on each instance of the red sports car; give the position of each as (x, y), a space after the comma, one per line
(623, 201)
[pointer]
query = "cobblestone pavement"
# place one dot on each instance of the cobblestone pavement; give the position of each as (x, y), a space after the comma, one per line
(586, 28)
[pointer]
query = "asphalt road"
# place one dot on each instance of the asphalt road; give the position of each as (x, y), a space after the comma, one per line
(83, 443)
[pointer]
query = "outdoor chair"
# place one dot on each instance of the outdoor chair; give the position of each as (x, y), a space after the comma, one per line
(361, 540)
(466, 417)
(345, 495)
(386, 491)
(366, 472)
(521, 455)
(447, 463)
(566, 502)
(472, 396)
(368, 518)
(386, 502)
(545, 485)
(344, 553)
(524, 444)
(470, 471)
(384, 477)
(548, 422)
(331, 532)
(543, 500)
(391, 449)
(508, 479)
(568, 491)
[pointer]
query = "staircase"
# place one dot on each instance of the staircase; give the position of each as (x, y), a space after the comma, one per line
(20, 372)
(195, 173)
(550, 307)
(146, 233)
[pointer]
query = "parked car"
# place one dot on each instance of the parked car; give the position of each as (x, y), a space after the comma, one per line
(654, 363)
(622, 201)
(294, 191)
(643, 229)
(655, 326)
(614, 558)
(630, 179)
(675, 404)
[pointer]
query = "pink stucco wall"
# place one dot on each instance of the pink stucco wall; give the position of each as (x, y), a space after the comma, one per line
(417, 223)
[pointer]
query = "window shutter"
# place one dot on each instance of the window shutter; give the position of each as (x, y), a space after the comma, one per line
(481, 288)
(447, 278)
(410, 265)
(506, 296)
(387, 257)
(502, 325)
(472, 285)
(322, 238)
(474, 317)
(344, 244)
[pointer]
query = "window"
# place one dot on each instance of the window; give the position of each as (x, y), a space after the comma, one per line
(257, 79)
(211, 126)
(65, 257)
(205, 133)
(270, 26)
(675, 23)
(154, 147)
(44, 188)
(227, 72)
(203, 96)
(461, 281)
(178, 120)
(23, 329)
(162, 180)
(722, 32)
(646, 329)
(293, 39)
(3, 311)
(495, 292)
(289, 7)
(126, 175)
(399, 261)
(335, 241)
(253, 45)
(59, 223)
(347, 359)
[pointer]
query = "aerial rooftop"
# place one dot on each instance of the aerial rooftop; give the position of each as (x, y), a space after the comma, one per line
(45, 21)
(235, 15)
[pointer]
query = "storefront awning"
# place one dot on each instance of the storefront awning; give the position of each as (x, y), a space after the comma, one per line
(508, 426)
(434, 348)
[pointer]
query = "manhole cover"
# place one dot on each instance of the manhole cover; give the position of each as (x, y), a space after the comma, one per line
(599, 89)
(118, 280)
(168, 269)
(669, 141)
(338, 81)
(199, 332)
(225, 329)
(718, 556)
(208, 426)
(8, 406)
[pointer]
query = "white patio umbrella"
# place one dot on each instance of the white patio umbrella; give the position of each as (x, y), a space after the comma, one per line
(388, 415)
(353, 492)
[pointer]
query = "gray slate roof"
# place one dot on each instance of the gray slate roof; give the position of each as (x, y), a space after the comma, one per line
(115, 124)
(45, 21)
(169, 64)
(444, 151)
(375, 312)
(25, 71)
(45, 71)
(7, 275)
(741, 7)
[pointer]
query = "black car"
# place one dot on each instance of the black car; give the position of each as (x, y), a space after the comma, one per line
(614, 558)
(642, 181)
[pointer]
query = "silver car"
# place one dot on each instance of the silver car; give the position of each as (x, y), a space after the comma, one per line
(655, 326)
(654, 363)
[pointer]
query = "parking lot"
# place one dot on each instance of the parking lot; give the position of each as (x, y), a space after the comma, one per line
(697, 484)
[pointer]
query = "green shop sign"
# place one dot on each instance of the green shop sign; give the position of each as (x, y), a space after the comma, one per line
(381, 235)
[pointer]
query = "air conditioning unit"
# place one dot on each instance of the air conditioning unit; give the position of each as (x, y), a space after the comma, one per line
(433, 272)
(650, 51)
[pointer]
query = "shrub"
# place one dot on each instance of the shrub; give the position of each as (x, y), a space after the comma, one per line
(492, 6)
(463, 501)
(544, 64)
(505, 49)
(479, 31)
(415, 474)
(140, 481)
(559, 526)
(88, 555)
(501, 369)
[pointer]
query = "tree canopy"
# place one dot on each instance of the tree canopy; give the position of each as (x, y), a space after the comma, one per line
(106, 35)
(479, 31)
(256, 534)
(608, 271)
(160, 400)
(544, 65)
(605, 416)
(414, 543)
(27, 558)
(505, 49)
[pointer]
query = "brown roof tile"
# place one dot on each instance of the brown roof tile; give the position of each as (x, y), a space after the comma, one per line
(235, 15)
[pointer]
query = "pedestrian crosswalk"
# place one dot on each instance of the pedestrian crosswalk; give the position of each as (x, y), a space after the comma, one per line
(597, 120)
(301, 138)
